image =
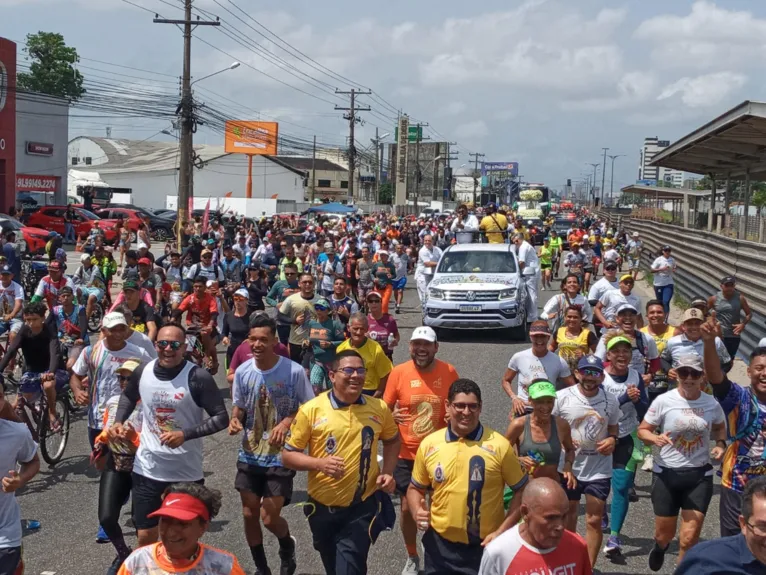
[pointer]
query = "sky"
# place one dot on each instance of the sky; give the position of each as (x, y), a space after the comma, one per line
(547, 83)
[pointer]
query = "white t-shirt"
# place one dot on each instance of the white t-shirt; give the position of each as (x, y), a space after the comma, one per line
(638, 360)
(589, 418)
(426, 255)
(100, 365)
(559, 303)
(613, 299)
(8, 297)
(628, 414)
(140, 340)
(598, 289)
(528, 256)
(17, 446)
(688, 423)
(611, 255)
(529, 367)
(663, 278)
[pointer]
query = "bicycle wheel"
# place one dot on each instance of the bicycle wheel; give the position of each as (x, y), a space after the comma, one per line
(52, 444)
(94, 321)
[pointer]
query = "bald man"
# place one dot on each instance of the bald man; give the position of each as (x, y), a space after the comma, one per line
(541, 544)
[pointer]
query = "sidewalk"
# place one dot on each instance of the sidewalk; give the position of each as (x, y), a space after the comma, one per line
(645, 290)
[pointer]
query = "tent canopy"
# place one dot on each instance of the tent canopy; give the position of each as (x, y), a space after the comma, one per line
(332, 208)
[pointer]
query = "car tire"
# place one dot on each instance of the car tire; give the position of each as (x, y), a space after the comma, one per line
(161, 234)
(520, 333)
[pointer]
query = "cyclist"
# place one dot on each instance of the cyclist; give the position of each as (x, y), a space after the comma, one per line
(202, 311)
(70, 323)
(139, 302)
(12, 300)
(90, 283)
(40, 348)
(48, 288)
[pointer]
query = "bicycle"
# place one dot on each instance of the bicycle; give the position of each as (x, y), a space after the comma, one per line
(34, 413)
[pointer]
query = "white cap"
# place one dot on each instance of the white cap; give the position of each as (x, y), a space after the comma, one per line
(762, 343)
(242, 292)
(424, 332)
(382, 253)
(113, 319)
(635, 234)
(211, 283)
(85, 258)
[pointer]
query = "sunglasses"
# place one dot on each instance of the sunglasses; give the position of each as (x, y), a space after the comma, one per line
(472, 407)
(688, 373)
(206, 257)
(164, 344)
(587, 372)
(321, 308)
(123, 377)
(286, 273)
(349, 371)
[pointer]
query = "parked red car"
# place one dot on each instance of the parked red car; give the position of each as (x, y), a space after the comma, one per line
(35, 238)
(52, 218)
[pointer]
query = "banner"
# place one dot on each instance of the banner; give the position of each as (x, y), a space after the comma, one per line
(254, 138)
(401, 161)
(510, 169)
(206, 217)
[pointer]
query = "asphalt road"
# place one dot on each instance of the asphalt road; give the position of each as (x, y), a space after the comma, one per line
(65, 498)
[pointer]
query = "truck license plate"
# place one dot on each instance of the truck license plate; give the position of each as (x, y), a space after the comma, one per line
(470, 308)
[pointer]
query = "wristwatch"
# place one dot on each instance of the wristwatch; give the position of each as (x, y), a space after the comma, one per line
(615, 437)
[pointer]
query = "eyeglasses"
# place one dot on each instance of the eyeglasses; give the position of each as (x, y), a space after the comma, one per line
(164, 344)
(286, 273)
(349, 371)
(472, 407)
(588, 372)
(123, 377)
(759, 530)
(688, 373)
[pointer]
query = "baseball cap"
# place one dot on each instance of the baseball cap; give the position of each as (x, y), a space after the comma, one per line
(129, 365)
(626, 307)
(144, 262)
(425, 333)
(130, 284)
(85, 258)
(590, 361)
(382, 253)
(626, 277)
(699, 301)
(329, 246)
(183, 507)
(691, 360)
(619, 339)
(666, 248)
(54, 265)
(242, 292)
(113, 319)
(541, 389)
(728, 280)
(322, 303)
(205, 253)
(6, 270)
(211, 283)
(635, 234)
(611, 265)
(539, 328)
(693, 313)
(374, 293)
(65, 290)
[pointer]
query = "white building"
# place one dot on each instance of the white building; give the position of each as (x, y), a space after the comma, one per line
(150, 169)
(651, 147)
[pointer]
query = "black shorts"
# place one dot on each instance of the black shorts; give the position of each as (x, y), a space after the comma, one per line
(441, 556)
(10, 560)
(598, 488)
(687, 489)
(403, 474)
(147, 498)
(623, 452)
(265, 481)
(546, 266)
(729, 509)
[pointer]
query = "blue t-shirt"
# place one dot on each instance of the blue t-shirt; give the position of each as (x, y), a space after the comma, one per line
(725, 556)
(267, 397)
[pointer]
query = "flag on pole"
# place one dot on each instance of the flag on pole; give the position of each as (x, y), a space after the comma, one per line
(206, 217)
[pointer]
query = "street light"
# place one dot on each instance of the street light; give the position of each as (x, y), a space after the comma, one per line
(611, 182)
(233, 66)
(593, 188)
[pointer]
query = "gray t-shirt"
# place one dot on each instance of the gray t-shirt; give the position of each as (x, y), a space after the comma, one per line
(142, 341)
(530, 367)
(680, 345)
(17, 446)
(598, 289)
(628, 414)
(589, 418)
(613, 299)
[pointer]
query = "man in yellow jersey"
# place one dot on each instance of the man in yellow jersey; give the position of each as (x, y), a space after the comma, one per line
(339, 431)
(557, 247)
(375, 360)
(467, 466)
(494, 225)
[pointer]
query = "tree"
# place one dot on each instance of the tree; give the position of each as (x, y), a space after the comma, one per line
(758, 199)
(386, 194)
(52, 69)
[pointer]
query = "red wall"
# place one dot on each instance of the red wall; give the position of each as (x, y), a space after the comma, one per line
(8, 123)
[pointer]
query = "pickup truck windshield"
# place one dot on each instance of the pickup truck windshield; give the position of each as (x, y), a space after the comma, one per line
(484, 262)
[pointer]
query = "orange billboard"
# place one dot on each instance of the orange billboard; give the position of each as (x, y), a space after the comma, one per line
(254, 138)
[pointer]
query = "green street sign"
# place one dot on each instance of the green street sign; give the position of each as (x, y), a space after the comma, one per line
(412, 133)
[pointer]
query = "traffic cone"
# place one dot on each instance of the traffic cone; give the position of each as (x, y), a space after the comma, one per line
(79, 244)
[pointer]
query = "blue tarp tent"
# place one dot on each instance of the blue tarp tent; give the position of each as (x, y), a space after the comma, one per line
(333, 208)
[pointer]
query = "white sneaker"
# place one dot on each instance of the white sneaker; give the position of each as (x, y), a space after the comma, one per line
(412, 567)
(648, 463)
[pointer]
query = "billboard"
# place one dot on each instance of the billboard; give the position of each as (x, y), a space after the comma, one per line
(509, 169)
(401, 161)
(7, 124)
(253, 138)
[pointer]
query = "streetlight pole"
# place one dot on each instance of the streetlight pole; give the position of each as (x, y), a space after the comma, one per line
(611, 180)
(593, 184)
(603, 175)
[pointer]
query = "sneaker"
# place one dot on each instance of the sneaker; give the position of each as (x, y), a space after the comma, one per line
(32, 524)
(656, 557)
(115, 566)
(412, 567)
(398, 310)
(288, 565)
(101, 536)
(613, 546)
(605, 522)
(648, 463)
(632, 495)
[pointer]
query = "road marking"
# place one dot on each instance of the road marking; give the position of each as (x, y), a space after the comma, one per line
(47, 573)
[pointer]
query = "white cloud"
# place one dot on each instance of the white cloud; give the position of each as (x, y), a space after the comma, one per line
(452, 108)
(704, 91)
(632, 89)
(472, 130)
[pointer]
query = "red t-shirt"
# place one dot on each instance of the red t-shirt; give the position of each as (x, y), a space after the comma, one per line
(509, 554)
(243, 353)
(200, 310)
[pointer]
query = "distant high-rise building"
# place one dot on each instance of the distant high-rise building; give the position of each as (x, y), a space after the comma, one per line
(652, 147)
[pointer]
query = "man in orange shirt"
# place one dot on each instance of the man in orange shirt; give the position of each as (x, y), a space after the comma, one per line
(416, 392)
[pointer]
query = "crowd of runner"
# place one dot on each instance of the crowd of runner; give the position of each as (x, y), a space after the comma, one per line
(606, 387)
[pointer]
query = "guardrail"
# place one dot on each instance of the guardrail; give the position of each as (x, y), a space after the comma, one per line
(703, 259)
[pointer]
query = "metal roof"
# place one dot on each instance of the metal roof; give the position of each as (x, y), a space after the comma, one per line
(667, 194)
(306, 164)
(729, 145)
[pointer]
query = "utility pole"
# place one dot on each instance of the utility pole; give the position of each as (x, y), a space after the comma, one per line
(352, 120)
(593, 182)
(475, 175)
(186, 112)
(603, 175)
(448, 172)
(611, 180)
(314, 171)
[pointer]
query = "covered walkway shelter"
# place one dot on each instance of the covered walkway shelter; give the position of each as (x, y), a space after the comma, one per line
(679, 197)
(730, 147)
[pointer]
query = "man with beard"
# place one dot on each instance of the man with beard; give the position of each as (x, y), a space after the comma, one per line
(540, 543)
(267, 392)
(593, 415)
(416, 393)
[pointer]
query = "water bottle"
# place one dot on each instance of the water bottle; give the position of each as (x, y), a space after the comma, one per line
(391, 340)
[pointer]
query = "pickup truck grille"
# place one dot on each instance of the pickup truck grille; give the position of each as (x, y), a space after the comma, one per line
(462, 295)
